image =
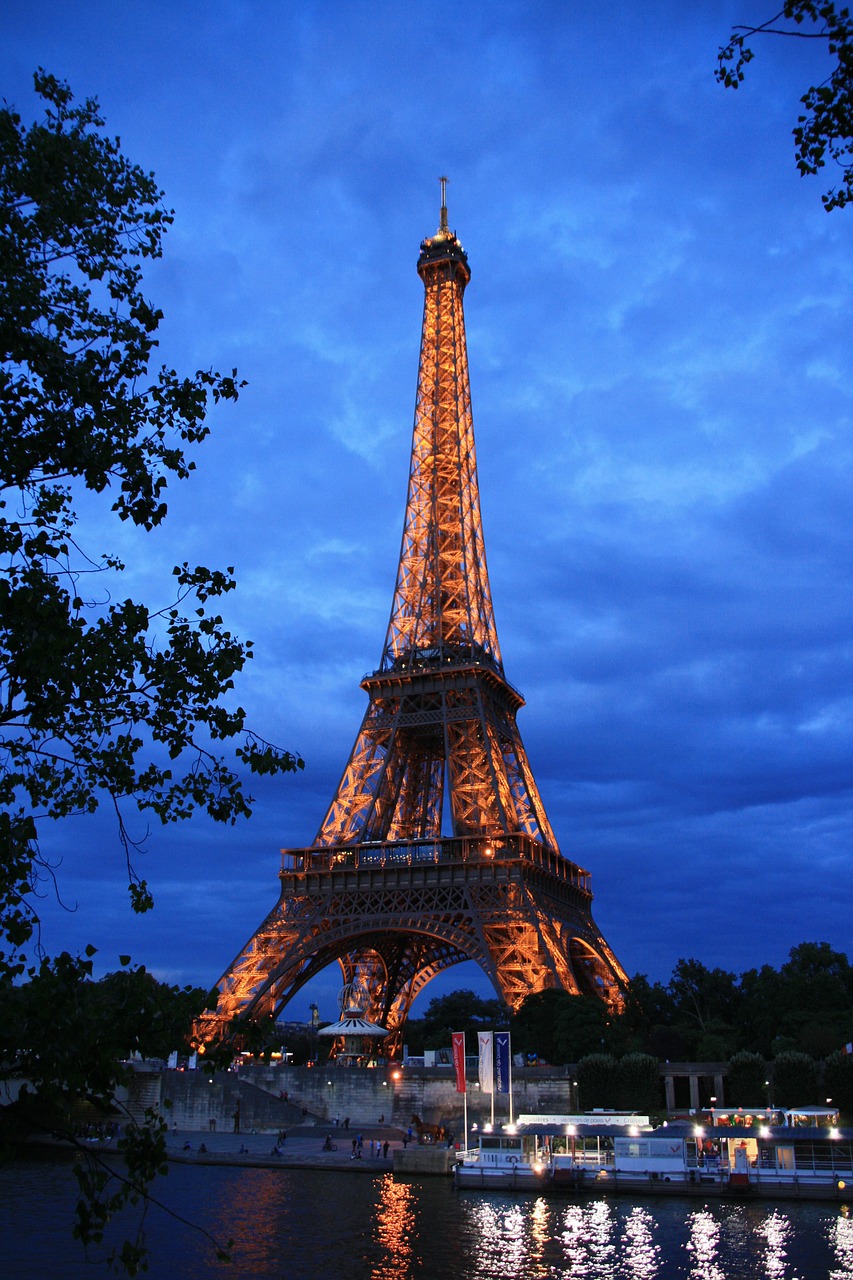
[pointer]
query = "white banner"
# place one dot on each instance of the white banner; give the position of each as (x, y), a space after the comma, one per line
(487, 1061)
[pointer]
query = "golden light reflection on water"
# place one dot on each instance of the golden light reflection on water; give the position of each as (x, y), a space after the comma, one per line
(253, 1209)
(395, 1229)
(704, 1245)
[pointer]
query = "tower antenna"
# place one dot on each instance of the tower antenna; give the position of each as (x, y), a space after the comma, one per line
(442, 226)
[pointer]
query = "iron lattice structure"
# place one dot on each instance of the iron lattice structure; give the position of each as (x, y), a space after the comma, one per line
(393, 888)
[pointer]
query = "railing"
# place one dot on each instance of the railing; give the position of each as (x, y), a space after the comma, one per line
(409, 853)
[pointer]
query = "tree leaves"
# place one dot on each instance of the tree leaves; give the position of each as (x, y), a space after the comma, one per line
(98, 700)
(102, 698)
(825, 132)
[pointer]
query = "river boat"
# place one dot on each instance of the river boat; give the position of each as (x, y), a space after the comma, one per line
(538, 1150)
(799, 1153)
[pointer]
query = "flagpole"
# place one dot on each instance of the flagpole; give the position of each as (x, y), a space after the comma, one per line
(465, 1116)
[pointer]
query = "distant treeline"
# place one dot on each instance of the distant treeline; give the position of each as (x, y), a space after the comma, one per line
(788, 1026)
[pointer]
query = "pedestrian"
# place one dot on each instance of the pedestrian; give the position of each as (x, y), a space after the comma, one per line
(237, 1117)
(354, 1145)
(346, 1123)
(385, 1148)
(371, 1146)
(359, 1144)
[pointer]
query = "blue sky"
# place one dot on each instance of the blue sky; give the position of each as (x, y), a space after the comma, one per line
(659, 343)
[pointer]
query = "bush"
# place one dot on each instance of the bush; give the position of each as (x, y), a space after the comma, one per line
(598, 1081)
(795, 1080)
(638, 1082)
(838, 1078)
(745, 1081)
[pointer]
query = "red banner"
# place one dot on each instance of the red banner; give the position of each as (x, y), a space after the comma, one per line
(459, 1059)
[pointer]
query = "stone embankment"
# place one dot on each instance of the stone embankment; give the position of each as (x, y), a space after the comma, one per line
(274, 1097)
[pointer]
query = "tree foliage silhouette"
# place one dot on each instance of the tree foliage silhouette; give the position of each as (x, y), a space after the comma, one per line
(824, 132)
(103, 699)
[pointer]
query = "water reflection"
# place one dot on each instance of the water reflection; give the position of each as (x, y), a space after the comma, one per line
(642, 1255)
(252, 1207)
(704, 1245)
(841, 1243)
(395, 1229)
(775, 1230)
(300, 1224)
(508, 1240)
(540, 1235)
(589, 1239)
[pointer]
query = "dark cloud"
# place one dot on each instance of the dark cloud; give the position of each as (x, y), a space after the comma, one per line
(658, 324)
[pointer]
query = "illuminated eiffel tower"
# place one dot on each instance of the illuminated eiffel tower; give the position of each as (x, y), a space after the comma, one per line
(436, 847)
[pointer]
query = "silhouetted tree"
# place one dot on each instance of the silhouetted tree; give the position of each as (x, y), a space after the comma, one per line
(639, 1083)
(558, 1027)
(825, 131)
(795, 1080)
(457, 1011)
(746, 1080)
(598, 1081)
(838, 1082)
(705, 1009)
(102, 698)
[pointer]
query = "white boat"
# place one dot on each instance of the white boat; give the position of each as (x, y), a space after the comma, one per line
(795, 1153)
(539, 1150)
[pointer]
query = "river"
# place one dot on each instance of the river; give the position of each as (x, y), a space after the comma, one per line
(294, 1224)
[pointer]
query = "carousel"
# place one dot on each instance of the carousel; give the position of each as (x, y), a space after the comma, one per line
(355, 1038)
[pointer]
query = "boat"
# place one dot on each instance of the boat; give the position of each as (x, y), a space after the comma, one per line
(538, 1151)
(796, 1153)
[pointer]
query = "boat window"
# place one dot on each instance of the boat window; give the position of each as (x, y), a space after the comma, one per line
(784, 1157)
(511, 1144)
(490, 1144)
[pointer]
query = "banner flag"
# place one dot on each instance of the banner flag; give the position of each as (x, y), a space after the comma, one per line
(458, 1039)
(487, 1061)
(502, 1054)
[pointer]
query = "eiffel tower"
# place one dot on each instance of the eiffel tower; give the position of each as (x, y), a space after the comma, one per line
(436, 847)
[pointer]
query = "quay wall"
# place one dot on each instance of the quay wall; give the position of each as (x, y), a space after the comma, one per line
(274, 1097)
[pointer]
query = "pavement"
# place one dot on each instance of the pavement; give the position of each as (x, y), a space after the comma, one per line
(301, 1149)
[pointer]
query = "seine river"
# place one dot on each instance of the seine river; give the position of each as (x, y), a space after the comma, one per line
(300, 1224)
